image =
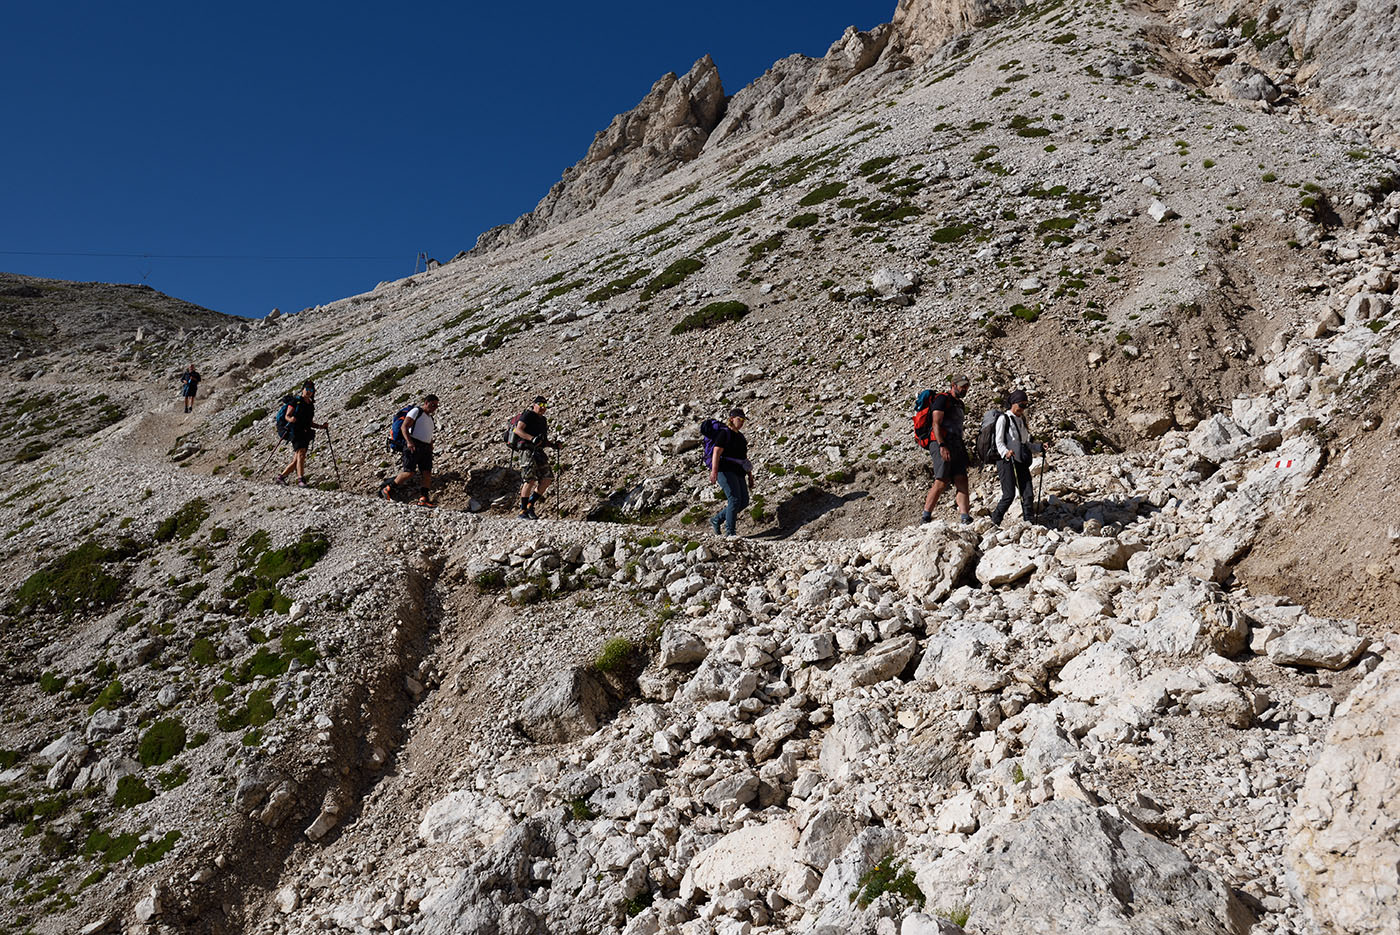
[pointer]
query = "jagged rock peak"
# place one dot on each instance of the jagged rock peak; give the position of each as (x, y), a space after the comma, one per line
(669, 126)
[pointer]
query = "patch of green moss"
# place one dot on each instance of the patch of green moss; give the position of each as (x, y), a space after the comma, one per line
(888, 876)
(163, 739)
(806, 219)
(246, 421)
(822, 193)
(711, 316)
(131, 791)
(671, 276)
(381, 384)
(78, 580)
(617, 653)
(184, 522)
(617, 286)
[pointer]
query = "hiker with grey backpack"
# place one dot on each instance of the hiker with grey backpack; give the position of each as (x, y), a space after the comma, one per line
(1014, 450)
(726, 454)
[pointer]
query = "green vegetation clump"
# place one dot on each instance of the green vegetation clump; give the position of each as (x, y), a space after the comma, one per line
(673, 275)
(952, 232)
(870, 166)
(163, 740)
(109, 697)
(113, 848)
(75, 581)
(888, 876)
(617, 286)
(822, 193)
(806, 219)
(879, 212)
(765, 246)
(617, 653)
(202, 652)
(711, 316)
(51, 683)
(1025, 313)
(565, 289)
(184, 522)
(580, 810)
(753, 204)
(716, 240)
(246, 421)
(381, 384)
(260, 569)
(491, 580)
(254, 712)
(131, 790)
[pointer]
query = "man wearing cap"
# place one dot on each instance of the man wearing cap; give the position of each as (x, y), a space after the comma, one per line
(1014, 450)
(948, 450)
(302, 424)
(419, 427)
(532, 428)
(731, 470)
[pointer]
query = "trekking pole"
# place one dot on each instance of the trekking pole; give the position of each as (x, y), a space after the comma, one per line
(1044, 466)
(268, 460)
(335, 462)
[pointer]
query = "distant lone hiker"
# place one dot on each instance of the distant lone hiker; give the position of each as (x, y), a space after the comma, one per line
(301, 431)
(416, 432)
(189, 386)
(532, 428)
(729, 467)
(948, 450)
(1014, 450)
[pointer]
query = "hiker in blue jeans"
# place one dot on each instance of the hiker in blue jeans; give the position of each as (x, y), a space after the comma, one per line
(731, 470)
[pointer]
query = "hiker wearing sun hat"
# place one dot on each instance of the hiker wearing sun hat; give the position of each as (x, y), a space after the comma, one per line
(948, 449)
(301, 425)
(1014, 450)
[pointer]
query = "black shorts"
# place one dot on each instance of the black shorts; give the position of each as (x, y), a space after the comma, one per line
(418, 458)
(188, 390)
(955, 466)
(302, 439)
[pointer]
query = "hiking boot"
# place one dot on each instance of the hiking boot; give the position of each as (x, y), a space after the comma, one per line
(530, 512)
(301, 482)
(424, 501)
(281, 481)
(927, 517)
(714, 524)
(526, 514)
(386, 492)
(965, 519)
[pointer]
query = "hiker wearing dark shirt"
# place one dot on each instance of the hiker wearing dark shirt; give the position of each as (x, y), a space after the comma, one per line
(731, 470)
(949, 451)
(189, 386)
(301, 426)
(532, 430)
(1014, 451)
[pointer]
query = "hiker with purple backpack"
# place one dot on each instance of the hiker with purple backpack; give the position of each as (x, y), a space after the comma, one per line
(726, 453)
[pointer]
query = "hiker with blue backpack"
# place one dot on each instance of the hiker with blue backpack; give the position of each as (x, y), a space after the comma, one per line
(529, 434)
(938, 427)
(189, 387)
(1014, 449)
(296, 423)
(726, 454)
(411, 432)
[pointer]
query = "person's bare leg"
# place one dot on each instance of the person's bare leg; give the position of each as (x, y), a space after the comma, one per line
(963, 496)
(934, 493)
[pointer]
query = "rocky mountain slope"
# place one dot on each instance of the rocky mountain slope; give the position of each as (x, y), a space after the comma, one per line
(1164, 707)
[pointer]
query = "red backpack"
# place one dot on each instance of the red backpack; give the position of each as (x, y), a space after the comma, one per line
(923, 416)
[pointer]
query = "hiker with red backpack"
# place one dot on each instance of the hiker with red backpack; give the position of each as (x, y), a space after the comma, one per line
(938, 426)
(529, 434)
(1014, 449)
(411, 434)
(296, 423)
(726, 453)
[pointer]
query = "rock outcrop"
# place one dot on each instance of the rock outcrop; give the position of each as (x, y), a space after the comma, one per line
(1344, 846)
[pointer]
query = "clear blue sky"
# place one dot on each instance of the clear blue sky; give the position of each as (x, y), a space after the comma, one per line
(328, 130)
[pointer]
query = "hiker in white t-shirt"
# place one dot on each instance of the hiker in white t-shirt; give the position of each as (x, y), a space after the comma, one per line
(1014, 450)
(418, 429)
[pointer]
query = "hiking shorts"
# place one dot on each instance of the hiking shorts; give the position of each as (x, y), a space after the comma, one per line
(188, 389)
(418, 458)
(535, 466)
(955, 466)
(302, 438)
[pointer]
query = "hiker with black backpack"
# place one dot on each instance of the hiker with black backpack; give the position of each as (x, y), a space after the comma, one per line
(530, 435)
(726, 453)
(296, 422)
(1014, 448)
(938, 426)
(189, 387)
(411, 434)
